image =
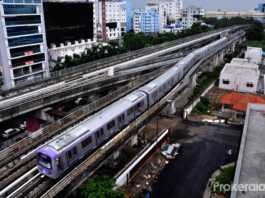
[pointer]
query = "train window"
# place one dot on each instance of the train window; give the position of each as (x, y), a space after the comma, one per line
(86, 142)
(130, 111)
(111, 124)
(74, 151)
(121, 118)
(44, 161)
(140, 104)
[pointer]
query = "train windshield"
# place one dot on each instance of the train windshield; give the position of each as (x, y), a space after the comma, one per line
(44, 161)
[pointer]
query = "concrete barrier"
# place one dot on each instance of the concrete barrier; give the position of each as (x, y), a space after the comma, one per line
(125, 175)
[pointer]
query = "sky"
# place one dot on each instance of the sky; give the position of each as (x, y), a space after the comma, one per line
(214, 4)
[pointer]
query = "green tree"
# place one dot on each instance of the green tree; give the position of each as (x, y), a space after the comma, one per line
(101, 187)
(134, 41)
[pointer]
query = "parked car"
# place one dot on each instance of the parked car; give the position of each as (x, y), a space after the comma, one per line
(170, 151)
(10, 132)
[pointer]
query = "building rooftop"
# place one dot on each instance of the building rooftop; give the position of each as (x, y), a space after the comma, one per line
(240, 101)
(240, 71)
(243, 62)
(250, 163)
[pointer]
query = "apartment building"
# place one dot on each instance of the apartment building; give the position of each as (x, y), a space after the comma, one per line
(23, 52)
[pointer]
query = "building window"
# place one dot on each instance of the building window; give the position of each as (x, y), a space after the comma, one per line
(226, 82)
(20, 9)
(22, 20)
(16, 31)
(25, 40)
(249, 84)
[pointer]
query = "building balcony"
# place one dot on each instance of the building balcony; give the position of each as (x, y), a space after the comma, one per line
(26, 71)
(25, 51)
(28, 60)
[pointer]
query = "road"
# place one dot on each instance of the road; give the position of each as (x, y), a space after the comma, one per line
(204, 150)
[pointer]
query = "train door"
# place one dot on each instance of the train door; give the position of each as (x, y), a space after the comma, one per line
(71, 155)
(139, 108)
(60, 164)
(100, 136)
(121, 121)
(111, 127)
(130, 115)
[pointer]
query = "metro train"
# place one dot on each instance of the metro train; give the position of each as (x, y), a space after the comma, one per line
(61, 153)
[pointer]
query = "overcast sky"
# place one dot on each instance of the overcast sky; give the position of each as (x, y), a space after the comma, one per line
(213, 4)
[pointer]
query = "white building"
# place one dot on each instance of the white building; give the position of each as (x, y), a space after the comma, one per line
(169, 12)
(112, 18)
(254, 55)
(23, 48)
(240, 75)
(191, 15)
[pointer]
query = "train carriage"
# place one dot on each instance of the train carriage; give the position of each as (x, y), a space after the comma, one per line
(160, 86)
(60, 154)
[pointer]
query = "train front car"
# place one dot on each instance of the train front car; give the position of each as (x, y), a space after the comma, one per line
(46, 162)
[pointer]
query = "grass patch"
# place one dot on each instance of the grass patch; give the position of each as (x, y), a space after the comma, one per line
(226, 177)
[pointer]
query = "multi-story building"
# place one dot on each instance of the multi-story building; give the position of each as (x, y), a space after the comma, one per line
(146, 21)
(169, 12)
(191, 15)
(23, 51)
(112, 16)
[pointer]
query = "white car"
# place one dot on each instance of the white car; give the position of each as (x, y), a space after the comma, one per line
(170, 151)
(10, 132)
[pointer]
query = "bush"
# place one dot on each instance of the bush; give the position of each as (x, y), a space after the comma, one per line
(101, 187)
(203, 107)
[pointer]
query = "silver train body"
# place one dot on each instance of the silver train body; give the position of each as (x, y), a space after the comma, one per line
(61, 153)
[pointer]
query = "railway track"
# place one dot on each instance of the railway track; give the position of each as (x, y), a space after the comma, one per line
(15, 166)
(31, 184)
(24, 104)
(73, 72)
